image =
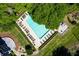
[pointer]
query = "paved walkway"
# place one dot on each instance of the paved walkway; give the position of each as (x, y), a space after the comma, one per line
(20, 52)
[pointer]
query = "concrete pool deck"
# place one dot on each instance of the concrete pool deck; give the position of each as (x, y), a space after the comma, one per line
(34, 39)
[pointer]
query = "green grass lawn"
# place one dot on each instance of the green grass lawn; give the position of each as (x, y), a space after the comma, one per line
(17, 33)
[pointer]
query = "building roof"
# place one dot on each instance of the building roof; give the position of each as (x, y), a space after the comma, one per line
(4, 49)
(10, 43)
(6, 45)
(62, 28)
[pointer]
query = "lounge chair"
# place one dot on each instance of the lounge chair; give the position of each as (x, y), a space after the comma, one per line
(21, 19)
(45, 38)
(24, 16)
(41, 42)
(27, 31)
(24, 27)
(31, 37)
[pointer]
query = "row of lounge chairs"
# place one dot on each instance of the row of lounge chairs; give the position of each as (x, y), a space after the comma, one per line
(28, 34)
(24, 27)
(46, 37)
(31, 37)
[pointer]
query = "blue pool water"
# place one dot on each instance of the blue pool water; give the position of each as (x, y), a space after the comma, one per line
(39, 30)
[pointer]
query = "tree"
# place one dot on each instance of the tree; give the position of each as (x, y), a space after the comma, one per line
(12, 53)
(61, 51)
(53, 12)
(28, 49)
(77, 53)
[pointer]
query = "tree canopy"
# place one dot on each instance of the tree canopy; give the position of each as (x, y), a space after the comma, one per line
(61, 51)
(48, 14)
(28, 49)
(77, 53)
(51, 14)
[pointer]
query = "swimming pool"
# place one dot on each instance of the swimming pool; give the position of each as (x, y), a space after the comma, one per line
(38, 29)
